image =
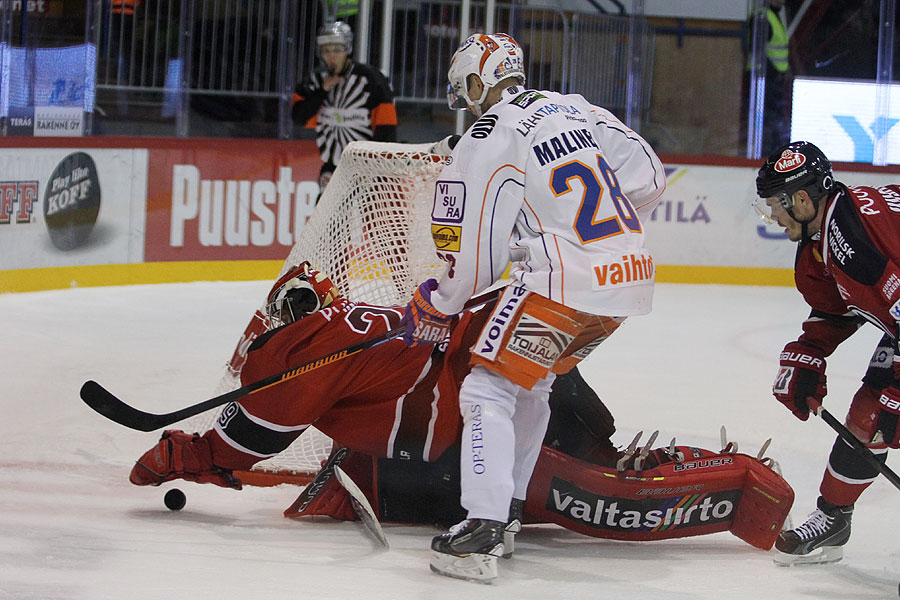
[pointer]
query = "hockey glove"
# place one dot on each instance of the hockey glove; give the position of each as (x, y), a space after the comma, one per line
(801, 377)
(888, 411)
(445, 146)
(424, 323)
(180, 455)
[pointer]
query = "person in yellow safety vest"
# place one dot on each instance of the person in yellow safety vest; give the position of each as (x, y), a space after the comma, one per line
(777, 99)
(777, 45)
(341, 10)
(346, 11)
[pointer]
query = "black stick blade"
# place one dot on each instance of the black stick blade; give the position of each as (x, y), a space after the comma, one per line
(105, 403)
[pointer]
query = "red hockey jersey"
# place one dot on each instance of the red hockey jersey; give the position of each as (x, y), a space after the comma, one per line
(391, 401)
(851, 270)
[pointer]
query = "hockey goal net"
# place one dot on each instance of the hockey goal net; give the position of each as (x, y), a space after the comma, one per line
(371, 234)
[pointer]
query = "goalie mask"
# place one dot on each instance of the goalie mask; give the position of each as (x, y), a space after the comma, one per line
(793, 167)
(492, 58)
(301, 291)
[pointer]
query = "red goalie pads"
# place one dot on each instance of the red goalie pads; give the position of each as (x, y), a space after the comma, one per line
(706, 493)
(325, 496)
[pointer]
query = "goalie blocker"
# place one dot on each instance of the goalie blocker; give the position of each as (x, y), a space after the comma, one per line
(705, 493)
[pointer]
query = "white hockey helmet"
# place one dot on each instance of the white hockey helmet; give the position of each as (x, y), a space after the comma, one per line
(337, 32)
(493, 58)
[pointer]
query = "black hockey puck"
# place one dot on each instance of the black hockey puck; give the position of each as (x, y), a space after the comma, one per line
(175, 499)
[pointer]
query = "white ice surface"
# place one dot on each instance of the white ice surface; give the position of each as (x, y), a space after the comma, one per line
(73, 527)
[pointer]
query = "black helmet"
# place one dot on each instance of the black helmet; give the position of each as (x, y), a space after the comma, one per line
(795, 166)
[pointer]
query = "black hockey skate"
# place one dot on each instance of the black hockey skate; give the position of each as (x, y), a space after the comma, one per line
(469, 550)
(513, 526)
(819, 540)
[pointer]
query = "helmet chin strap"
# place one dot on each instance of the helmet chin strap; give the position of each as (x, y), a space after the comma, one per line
(476, 105)
(804, 225)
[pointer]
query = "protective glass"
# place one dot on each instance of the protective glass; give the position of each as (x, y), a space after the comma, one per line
(769, 213)
(456, 99)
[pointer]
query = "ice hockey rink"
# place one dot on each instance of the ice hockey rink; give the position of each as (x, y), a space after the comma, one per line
(73, 527)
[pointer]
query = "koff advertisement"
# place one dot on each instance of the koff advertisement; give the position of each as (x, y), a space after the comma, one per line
(706, 218)
(67, 206)
(227, 202)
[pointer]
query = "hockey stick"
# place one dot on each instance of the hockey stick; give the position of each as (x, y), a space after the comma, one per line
(107, 404)
(857, 445)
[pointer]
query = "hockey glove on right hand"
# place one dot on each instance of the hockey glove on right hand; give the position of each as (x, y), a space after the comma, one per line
(424, 323)
(801, 376)
(445, 146)
(888, 412)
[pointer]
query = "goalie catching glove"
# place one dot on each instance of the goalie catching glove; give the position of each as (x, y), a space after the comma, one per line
(801, 377)
(423, 322)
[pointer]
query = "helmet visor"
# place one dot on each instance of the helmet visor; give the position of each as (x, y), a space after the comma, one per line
(456, 100)
(770, 208)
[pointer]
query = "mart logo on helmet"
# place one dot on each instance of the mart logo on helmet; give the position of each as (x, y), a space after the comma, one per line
(789, 161)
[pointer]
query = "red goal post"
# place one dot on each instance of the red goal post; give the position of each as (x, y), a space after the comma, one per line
(371, 234)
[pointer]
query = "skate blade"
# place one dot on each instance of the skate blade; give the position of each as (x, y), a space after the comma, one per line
(822, 556)
(509, 539)
(481, 568)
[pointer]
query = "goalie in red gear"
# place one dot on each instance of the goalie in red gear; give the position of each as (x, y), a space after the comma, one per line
(393, 414)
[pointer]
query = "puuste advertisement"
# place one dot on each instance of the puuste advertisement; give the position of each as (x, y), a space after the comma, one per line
(225, 203)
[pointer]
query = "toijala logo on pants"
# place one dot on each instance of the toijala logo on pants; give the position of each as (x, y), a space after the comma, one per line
(537, 341)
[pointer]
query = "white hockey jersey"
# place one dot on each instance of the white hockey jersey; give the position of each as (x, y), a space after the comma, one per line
(558, 186)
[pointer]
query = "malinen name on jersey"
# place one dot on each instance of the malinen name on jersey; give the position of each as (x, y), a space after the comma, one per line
(629, 269)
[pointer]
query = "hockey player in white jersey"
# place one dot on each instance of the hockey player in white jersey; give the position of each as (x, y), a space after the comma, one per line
(557, 186)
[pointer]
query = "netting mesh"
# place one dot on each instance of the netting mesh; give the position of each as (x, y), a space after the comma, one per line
(371, 235)
(371, 231)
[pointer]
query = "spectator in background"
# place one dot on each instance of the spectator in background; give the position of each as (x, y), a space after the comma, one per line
(121, 34)
(121, 43)
(776, 126)
(346, 101)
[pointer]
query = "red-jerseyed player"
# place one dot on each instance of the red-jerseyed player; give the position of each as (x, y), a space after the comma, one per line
(848, 270)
